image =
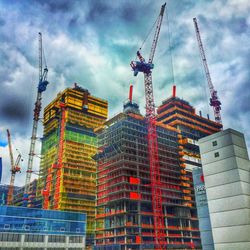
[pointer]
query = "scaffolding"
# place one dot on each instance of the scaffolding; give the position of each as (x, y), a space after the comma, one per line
(178, 113)
(32, 189)
(124, 200)
(72, 186)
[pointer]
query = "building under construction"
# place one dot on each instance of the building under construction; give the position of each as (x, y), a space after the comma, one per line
(32, 190)
(67, 171)
(178, 113)
(124, 199)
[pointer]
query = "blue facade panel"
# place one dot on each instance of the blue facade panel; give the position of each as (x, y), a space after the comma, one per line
(38, 221)
(202, 210)
(1, 169)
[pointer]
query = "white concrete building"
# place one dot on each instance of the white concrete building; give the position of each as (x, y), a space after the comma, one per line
(226, 170)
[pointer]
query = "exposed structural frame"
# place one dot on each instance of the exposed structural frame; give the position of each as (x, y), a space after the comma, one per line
(38, 105)
(146, 68)
(124, 197)
(214, 100)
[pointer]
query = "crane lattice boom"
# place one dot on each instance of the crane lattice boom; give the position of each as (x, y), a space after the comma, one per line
(38, 105)
(146, 68)
(214, 100)
(14, 169)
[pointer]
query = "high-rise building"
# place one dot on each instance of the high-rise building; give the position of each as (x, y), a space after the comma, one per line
(124, 200)
(226, 169)
(67, 170)
(180, 114)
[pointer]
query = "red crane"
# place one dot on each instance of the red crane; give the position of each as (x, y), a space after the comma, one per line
(56, 167)
(46, 190)
(14, 169)
(214, 100)
(146, 68)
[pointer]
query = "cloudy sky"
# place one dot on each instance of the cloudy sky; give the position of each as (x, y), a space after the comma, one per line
(92, 43)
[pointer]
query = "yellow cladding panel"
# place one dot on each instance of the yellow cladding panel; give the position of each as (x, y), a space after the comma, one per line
(92, 108)
(98, 100)
(75, 99)
(76, 117)
(49, 114)
(74, 102)
(76, 93)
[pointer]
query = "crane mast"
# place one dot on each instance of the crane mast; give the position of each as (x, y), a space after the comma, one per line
(214, 100)
(14, 169)
(38, 104)
(146, 68)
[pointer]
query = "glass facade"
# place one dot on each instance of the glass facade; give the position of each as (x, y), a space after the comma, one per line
(30, 228)
(42, 222)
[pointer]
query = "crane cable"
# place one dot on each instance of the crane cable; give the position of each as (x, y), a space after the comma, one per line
(206, 92)
(170, 47)
(44, 58)
(147, 36)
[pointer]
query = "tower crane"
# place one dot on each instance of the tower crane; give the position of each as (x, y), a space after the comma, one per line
(214, 99)
(146, 69)
(42, 84)
(15, 168)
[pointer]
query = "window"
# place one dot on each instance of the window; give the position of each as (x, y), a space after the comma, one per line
(216, 154)
(75, 239)
(10, 237)
(56, 238)
(34, 238)
(214, 143)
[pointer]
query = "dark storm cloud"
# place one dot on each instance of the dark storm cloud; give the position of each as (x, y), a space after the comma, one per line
(98, 11)
(14, 109)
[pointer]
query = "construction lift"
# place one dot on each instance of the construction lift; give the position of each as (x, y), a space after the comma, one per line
(38, 105)
(56, 166)
(146, 69)
(214, 99)
(14, 168)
